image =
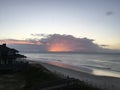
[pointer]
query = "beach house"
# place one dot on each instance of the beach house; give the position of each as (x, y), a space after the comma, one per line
(6, 52)
(10, 59)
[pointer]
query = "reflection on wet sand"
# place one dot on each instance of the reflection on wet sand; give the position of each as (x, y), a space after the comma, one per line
(77, 68)
(105, 73)
(87, 70)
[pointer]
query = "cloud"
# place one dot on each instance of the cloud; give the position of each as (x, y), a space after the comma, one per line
(104, 45)
(109, 13)
(28, 47)
(56, 43)
(14, 41)
(39, 35)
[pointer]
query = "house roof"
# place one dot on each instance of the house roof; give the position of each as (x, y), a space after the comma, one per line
(6, 49)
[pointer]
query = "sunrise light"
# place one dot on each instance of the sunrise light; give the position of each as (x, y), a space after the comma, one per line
(10, 41)
(59, 47)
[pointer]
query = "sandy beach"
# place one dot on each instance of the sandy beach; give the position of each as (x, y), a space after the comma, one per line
(111, 83)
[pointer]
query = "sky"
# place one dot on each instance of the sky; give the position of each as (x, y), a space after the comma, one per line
(23, 21)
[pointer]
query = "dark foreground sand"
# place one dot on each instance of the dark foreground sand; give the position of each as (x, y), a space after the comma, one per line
(107, 83)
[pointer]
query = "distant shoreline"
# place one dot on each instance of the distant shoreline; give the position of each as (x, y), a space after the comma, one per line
(112, 53)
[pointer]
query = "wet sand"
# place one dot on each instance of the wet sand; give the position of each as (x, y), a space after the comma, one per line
(111, 83)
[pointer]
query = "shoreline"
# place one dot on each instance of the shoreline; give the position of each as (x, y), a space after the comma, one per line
(88, 70)
(82, 68)
(99, 81)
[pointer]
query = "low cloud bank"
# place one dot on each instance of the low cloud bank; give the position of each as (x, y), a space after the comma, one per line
(56, 43)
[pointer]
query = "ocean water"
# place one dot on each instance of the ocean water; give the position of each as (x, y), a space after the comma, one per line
(96, 64)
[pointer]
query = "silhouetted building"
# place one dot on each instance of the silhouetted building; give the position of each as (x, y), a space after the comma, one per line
(6, 52)
(9, 59)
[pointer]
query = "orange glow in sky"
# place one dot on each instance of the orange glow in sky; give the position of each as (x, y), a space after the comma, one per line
(59, 47)
(18, 42)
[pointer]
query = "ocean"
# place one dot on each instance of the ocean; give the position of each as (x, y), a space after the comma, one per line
(96, 64)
